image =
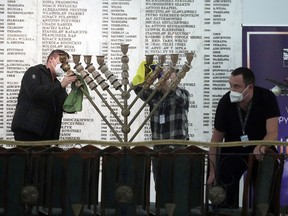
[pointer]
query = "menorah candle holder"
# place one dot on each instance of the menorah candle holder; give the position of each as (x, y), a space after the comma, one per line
(91, 76)
(186, 67)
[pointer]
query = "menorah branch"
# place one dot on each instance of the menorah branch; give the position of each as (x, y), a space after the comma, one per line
(156, 80)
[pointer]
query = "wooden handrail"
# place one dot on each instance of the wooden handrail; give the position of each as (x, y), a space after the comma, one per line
(141, 143)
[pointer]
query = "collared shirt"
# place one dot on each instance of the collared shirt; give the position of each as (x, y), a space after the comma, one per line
(170, 120)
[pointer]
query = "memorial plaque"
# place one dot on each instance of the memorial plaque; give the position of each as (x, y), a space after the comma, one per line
(30, 30)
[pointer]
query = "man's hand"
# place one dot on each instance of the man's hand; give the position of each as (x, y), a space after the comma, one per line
(166, 85)
(259, 150)
(68, 79)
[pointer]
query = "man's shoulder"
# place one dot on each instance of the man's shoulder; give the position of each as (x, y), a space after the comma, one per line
(225, 98)
(36, 72)
(260, 91)
(35, 68)
(263, 96)
(183, 90)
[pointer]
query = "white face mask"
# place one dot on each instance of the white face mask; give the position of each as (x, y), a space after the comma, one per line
(237, 96)
(59, 71)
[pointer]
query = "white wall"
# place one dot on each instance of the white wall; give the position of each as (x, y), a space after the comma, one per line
(265, 12)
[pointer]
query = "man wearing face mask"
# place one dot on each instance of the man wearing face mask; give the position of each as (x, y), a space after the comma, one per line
(39, 109)
(247, 112)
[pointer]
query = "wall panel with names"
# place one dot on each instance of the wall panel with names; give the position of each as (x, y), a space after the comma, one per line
(29, 30)
(18, 41)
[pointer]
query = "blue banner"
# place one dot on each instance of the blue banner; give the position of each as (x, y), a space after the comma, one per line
(265, 52)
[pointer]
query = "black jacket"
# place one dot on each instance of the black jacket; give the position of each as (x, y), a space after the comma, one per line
(39, 108)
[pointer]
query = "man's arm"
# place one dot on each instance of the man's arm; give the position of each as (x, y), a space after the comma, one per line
(216, 137)
(180, 95)
(144, 94)
(272, 134)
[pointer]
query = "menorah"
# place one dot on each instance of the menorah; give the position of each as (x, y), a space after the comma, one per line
(90, 74)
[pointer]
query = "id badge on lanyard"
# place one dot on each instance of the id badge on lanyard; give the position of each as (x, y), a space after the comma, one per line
(244, 137)
(162, 119)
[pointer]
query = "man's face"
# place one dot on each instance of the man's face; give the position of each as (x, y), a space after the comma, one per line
(54, 61)
(166, 69)
(237, 83)
(172, 75)
(55, 66)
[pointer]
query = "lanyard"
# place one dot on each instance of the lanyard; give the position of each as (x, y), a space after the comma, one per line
(243, 123)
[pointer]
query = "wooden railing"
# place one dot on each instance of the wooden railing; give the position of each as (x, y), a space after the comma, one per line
(113, 178)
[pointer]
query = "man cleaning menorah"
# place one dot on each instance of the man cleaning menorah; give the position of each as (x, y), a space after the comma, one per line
(170, 119)
(39, 109)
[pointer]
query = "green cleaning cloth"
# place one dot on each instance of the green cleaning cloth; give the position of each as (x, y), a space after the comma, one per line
(73, 102)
